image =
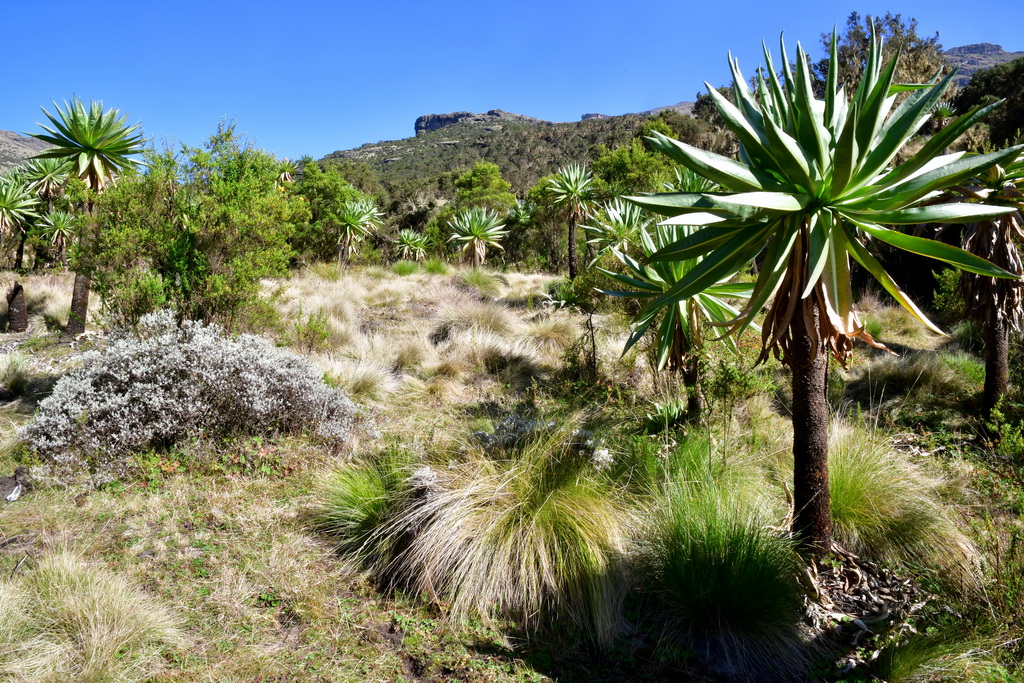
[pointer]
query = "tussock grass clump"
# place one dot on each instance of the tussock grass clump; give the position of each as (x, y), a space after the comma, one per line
(553, 334)
(892, 324)
(331, 272)
(65, 620)
(362, 380)
(358, 506)
(14, 377)
(483, 282)
(457, 316)
(435, 266)
(927, 379)
(933, 657)
(403, 268)
(533, 533)
(537, 535)
(886, 509)
(725, 582)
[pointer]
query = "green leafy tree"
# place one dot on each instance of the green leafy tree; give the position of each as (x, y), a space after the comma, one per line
(327, 194)
(98, 145)
(920, 57)
(476, 229)
(814, 178)
(630, 169)
(483, 186)
(196, 231)
(571, 189)
(1004, 81)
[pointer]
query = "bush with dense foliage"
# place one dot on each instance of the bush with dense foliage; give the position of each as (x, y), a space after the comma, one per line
(195, 233)
(170, 384)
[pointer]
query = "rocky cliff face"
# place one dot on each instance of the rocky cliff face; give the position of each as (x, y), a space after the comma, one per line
(15, 149)
(429, 122)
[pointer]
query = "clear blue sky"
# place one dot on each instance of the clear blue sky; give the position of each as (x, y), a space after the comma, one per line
(305, 77)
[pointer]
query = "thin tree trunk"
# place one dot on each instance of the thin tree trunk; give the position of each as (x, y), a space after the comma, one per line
(79, 305)
(19, 259)
(812, 520)
(691, 380)
(997, 364)
(17, 309)
(572, 248)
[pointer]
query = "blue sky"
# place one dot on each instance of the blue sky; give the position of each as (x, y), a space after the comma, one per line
(313, 77)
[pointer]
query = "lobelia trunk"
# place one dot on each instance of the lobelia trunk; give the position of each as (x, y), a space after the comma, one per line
(812, 519)
(79, 305)
(691, 378)
(572, 248)
(997, 364)
(17, 309)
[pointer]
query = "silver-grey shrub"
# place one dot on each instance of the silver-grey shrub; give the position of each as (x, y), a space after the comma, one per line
(166, 384)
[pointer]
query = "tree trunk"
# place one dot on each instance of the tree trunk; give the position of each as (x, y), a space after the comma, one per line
(997, 364)
(20, 258)
(572, 248)
(812, 519)
(79, 305)
(17, 309)
(691, 379)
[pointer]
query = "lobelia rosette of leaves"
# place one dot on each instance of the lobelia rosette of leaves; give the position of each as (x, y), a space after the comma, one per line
(476, 229)
(813, 179)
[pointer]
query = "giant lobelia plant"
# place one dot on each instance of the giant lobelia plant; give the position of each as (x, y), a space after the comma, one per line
(813, 180)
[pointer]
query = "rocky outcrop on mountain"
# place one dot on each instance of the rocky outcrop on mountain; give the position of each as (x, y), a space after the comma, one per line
(429, 122)
(974, 58)
(15, 149)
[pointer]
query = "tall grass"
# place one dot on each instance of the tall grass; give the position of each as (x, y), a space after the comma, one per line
(358, 504)
(724, 582)
(483, 282)
(534, 534)
(537, 535)
(888, 510)
(68, 621)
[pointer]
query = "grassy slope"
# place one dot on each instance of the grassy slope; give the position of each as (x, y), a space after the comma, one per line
(229, 551)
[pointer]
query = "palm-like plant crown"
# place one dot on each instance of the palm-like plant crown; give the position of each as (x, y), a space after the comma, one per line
(679, 330)
(813, 179)
(17, 204)
(96, 141)
(412, 244)
(46, 177)
(620, 231)
(477, 228)
(59, 228)
(357, 218)
(572, 187)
